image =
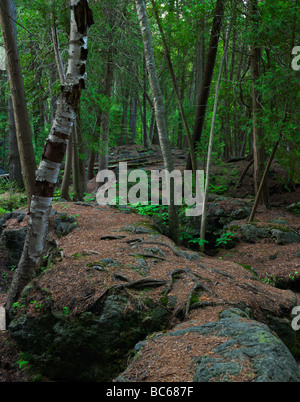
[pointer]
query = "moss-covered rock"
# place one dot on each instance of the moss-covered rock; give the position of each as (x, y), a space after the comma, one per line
(244, 349)
(280, 234)
(90, 346)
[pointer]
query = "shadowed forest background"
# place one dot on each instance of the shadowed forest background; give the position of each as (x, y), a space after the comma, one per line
(117, 106)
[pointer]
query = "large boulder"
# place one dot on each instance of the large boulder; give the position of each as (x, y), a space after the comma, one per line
(234, 348)
(282, 235)
(13, 240)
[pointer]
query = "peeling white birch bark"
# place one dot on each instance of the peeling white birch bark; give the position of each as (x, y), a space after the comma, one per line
(48, 170)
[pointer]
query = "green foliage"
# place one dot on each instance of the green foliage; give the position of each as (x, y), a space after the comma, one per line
(158, 211)
(293, 275)
(66, 311)
(3, 211)
(224, 238)
(23, 362)
(187, 26)
(10, 201)
(36, 305)
(198, 241)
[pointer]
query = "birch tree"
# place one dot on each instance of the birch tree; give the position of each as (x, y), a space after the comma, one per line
(159, 109)
(54, 150)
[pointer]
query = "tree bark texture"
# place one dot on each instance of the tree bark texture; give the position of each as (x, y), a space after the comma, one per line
(15, 170)
(258, 136)
(54, 150)
(176, 90)
(105, 114)
(211, 138)
(208, 74)
(21, 115)
(160, 114)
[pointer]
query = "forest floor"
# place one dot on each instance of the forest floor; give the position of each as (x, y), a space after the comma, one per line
(267, 258)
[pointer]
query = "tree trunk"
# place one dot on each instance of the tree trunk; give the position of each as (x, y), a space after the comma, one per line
(123, 138)
(132, 121)
(54, 151)
(200, 58)
(75, 165)
(261, 186)
(57, 53)
(105, 115)
(209, 69)
(82, 155)
(22, 121)
(176, 90)
(144, 104)
(160, 115)
(15, 171)
(211, 137)
(64, 192)
(258, 136)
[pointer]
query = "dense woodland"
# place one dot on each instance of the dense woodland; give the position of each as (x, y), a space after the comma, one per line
(194, 85)
(217, 78)
(117, 105)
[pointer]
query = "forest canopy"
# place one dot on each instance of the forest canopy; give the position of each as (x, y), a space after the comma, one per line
(116, 87)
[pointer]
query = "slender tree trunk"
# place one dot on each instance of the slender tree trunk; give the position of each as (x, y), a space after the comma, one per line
(105, 115)
(262, 183)
(208, 74)
(6, 107)
(200, 58)
(132, 120)
(78, 196)
(79, 175)
(54, 151)
(81, 156)
(15, 171)
(258, 136)
(3, 111)
(64, 192)
(22, 121)
(57, 52)
(123, 139)
(159, 111)
(176, 90)
(211, 137)
(92, 159)
(144, 104)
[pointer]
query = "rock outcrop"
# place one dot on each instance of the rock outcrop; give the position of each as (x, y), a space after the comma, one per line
(116, 288)
(238, 348)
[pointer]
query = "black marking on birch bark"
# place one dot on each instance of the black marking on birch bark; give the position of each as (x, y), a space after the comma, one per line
(84, 54)
(73, 97)
(54, 151)
(62, 136)
(82, 83)
(83, 16)
(44, 189)
(82, 69)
